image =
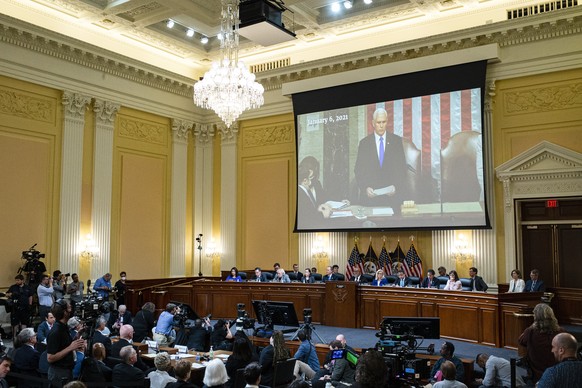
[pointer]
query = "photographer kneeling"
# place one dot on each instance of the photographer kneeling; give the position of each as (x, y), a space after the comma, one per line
(164, 333)
(221, 338)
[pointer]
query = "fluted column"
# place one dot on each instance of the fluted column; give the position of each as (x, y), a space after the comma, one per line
(203, 200)
(105, 113)
(339, 252)
(180, 130)
(228, 199)
(74, 105)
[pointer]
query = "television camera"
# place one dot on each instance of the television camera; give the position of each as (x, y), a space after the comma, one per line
(243, 322)
(32, 267)
(90, 308)
(399, 341)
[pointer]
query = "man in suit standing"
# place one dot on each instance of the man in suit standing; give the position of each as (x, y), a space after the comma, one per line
(381, 164)
(125, 373)
(329, 275)
(357, 276)
(430, 281)
(535, 284)
(477, 282)
(402, 281)
(298, 274)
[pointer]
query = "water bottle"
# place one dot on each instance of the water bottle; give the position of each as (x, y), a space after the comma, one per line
(198, 358)
(211, 353)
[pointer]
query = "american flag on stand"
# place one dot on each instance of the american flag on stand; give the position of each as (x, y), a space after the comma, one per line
(352, 261)
(384, 261)
(413, 263)
(398, 258)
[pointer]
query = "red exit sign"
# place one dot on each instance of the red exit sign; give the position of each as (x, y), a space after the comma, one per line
(552, 203)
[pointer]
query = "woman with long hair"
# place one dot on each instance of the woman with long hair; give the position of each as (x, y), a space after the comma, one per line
(453, 284)
(308, 277)
(276, 351)
(242, 355)
(537, 340)
(234, 276)
(516, 284)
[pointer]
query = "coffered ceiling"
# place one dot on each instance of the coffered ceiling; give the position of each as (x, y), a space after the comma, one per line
(137, 28)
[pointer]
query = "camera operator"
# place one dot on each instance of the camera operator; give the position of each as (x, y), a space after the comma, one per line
(61, 347)
(199, 334)
(75, 290)
(20, 297)
(103, 286)
(45, 292)
(221, 338)
(59, 284)
(33, 267)
(164, 333)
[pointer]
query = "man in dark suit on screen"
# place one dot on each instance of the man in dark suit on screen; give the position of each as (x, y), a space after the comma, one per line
(380, 168)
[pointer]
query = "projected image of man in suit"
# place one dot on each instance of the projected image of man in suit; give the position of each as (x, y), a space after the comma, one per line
(380, 168)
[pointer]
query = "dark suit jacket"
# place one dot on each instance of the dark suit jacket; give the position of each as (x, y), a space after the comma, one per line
(103, 339)
(125, 375)
(326, 278)
(427, 283)
(407, 282)
(368, 172)
(262, 279)
(26, 360)
(539, 287)
(113, 318)
(480, 284)
(360, 280)
(307, 213)
(116, 348)
(299, 275)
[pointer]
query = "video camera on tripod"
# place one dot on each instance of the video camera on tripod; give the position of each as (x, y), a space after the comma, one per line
(242, 322)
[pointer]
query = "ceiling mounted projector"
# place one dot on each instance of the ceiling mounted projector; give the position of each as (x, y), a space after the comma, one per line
(261, 21)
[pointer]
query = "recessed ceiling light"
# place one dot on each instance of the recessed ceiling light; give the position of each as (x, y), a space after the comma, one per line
(170, 23)
(190, 33)
(335, 7)
(204, 40)
(368, 2)
(347, 4)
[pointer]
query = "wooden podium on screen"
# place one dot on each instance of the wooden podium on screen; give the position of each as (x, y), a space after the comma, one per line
(340, 304)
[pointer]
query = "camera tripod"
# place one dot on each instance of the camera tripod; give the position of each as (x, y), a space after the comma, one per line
(309, 330)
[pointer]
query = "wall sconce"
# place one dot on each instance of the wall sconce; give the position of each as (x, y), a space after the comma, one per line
(91, 250)
(462, 252)
(319, 248)
(212, 250)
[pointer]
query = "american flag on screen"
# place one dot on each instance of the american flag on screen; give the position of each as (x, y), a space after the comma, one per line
(384, 261)
(397, 257)
(352, 261)
(413, 263)
(430, 121)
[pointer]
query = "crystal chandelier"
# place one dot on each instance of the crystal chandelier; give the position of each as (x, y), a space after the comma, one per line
(229, 88)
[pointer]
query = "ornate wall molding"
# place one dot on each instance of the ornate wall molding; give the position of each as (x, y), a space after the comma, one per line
(143, 131)
(75, 104)
(228, 135)
(105, 111)
(204, 133)
(180, 130)
(18, 104)
(544, 99)
(271, 135)
(546, 170)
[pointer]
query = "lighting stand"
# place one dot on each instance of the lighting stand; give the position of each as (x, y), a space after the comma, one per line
(199, 240)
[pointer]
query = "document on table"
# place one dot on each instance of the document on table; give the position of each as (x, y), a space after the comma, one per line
(382, 211)
(385, 190)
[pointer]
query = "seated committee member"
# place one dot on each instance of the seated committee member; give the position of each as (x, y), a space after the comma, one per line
(442, 271)
(281, 277)
(234, 276)
(453, 284)
(357, 276)
(307, 277)
(403, 280)
(430, 281)
(259, 276)
(535, 284)
(380, 168)
(477, 282)
(380, 280)
(329, 275)
(516, 284)
(568, 371)
(297, 273)
(125, 373)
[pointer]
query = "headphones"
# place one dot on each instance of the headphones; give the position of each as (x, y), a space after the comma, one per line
(61, 302)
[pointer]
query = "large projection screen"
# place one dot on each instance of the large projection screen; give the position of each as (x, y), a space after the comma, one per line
(401, 152)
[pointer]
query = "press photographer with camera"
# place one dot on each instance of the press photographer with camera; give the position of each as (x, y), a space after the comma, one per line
(60, 346)
(103, 286)
(75, 290)
(221, 338)
(45, 292)
(60, 284)
(33, 267)
(164, 333)
(20, 301)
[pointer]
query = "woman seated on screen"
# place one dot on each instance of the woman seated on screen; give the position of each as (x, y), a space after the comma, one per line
(234, 276)
(380, 280)
(516, 284)
(307, 277)
(453, 284)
